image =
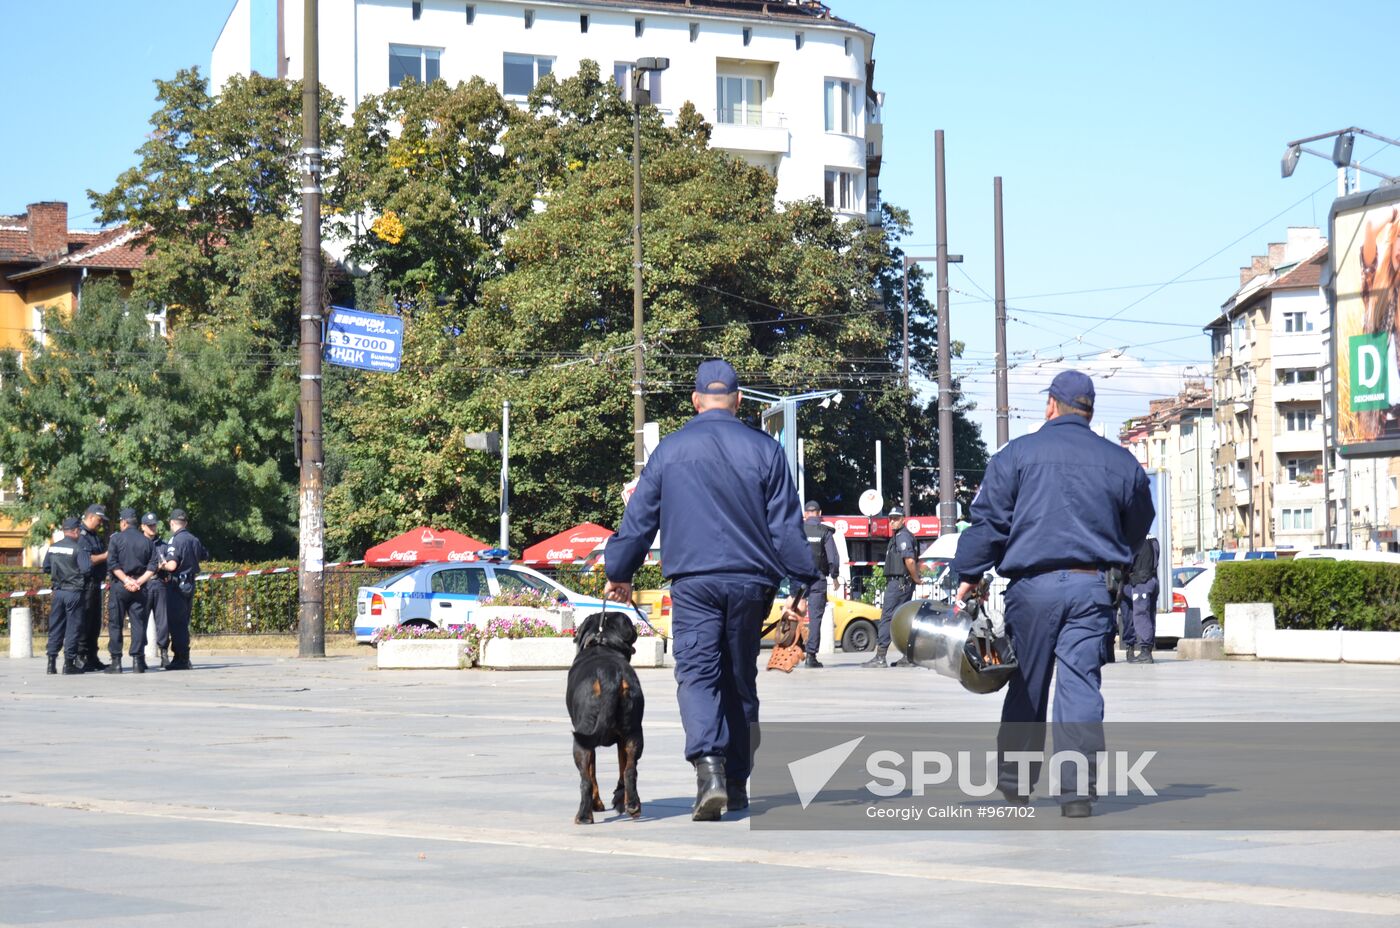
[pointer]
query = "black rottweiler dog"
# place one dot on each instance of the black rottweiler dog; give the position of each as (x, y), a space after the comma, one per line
(605, 703)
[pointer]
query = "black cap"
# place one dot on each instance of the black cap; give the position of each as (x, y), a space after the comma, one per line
(127, 515)
(97, 509)
(896, 512)
(71, 523)
(150, 518)
(812, 506)
(179, 514)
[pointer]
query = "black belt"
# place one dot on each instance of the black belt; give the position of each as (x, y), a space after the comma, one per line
(1090, 569)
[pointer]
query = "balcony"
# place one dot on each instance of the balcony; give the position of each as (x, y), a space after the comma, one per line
(1297, 495)
(1286, 441)
(1298, 392)
(759, 131)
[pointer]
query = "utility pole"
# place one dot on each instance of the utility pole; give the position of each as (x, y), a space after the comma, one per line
(1003, 401)
(904, 382)
(639, 409)
(947, 503)
(311, 617)
(505, 475)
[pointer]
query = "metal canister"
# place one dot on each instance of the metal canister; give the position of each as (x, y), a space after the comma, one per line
(935, 635)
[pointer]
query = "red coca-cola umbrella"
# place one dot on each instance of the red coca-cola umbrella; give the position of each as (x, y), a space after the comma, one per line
(423, 545)
(568, 546)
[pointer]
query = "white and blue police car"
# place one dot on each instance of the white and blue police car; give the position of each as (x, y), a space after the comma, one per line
(445, 594)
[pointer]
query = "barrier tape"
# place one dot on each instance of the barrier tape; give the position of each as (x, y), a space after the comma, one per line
(21, 594)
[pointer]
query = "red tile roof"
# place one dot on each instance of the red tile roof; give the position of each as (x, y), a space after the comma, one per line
(119, 248)
(1304, 275)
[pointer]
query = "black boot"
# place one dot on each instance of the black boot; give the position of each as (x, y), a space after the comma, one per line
(1143, 656)
(165, 658)
(878, 660)
(710, 792)
(738, 794)
(53, 664)
(813, 662)
(70, 665)
(115, 666)
(91, 663)
(181, 660)
(1077, 808)
(138, 663)
(1130, 649)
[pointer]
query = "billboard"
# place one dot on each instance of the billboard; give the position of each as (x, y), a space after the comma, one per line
(1364, 289)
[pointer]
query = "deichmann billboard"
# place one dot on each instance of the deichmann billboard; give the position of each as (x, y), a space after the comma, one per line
(1364, 291)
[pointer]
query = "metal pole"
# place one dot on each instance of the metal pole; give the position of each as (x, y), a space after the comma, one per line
(311, 624)
(639, 411)
(905, 384)
(947, 504)
(879, 483)
(1003, 400)
(505, 475)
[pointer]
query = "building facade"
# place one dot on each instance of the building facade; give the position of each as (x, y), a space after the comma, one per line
(1269, 354)
(786, 85)
(1175, 439)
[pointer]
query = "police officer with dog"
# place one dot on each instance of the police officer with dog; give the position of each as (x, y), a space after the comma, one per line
(724, 500)
(901, 574)
(66, 563)
(822, 540)
(181, 558)
(1059, 512)
(91, 540)
(129, 555)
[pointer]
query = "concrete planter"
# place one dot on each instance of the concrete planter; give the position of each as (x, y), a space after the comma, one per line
(1371, 647)
(424, 654)
(1244, 622)
(1297, 644)
(556, 653)
(561, 620)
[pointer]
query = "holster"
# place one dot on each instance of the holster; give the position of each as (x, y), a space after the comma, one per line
(1115, 578)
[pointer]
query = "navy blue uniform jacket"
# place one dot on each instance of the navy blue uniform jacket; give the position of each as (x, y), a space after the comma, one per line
(722, 496)
(1059, 497)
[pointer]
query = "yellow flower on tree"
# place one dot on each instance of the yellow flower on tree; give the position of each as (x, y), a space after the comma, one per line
(388, 228)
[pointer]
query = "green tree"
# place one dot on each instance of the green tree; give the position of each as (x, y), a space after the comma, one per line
(105, 411)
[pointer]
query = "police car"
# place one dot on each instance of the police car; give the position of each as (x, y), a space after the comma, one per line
(441, 595)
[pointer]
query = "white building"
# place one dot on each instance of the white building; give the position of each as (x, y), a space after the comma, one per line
(785, 84)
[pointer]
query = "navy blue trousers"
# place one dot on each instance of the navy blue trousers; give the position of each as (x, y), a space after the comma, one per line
(120, 605)
(1125, 618)
(816, 606)
(177, 612)
(1058, 623)
(1145, 613)
(65, 623)
(715, 625)
(156, 594)
(897, 593)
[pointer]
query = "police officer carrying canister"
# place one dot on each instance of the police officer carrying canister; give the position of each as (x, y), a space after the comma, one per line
(728, 511)
(1143, 577)
(901, 573)
(156, 586)
(821, 538)
(128, 559)
(67, 565)
(91, 539)
(181, 558)
(1059, 512)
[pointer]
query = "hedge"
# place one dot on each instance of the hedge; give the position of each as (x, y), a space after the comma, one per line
(1314, 592)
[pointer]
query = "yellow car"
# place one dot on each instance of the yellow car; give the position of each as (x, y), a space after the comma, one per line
(855, 621)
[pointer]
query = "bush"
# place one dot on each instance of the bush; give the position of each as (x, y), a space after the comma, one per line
(589, 580)
(1314, 592)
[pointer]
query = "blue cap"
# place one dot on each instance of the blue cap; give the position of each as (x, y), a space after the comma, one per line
(716, 371)
(71, 523)
(1073, 388)
(896, 512)
(127, 515)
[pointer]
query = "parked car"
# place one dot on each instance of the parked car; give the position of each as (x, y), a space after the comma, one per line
(1184, 575)
(855, 621)
(441, 595)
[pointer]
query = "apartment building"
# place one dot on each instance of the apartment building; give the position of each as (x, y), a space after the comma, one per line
(1269, 356)
(1176, 439)
(786, 84)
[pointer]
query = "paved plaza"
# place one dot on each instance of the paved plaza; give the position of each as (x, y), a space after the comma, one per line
(264, 790)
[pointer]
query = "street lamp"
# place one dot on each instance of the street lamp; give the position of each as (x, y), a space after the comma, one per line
(1341, 151)
(639, 412)
(910, 261)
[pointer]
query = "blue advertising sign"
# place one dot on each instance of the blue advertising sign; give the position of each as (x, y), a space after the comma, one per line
(368, 341)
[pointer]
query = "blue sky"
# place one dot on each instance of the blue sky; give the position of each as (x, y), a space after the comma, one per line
(1138, 145)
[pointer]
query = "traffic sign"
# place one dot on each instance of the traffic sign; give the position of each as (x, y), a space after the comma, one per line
(368, 341)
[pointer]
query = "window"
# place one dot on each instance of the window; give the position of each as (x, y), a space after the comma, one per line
(156, 320)
(840, 190)
(840, 107)
(424, 65)
(639, 26)
(740, 100)
(583, 22)
(521, 72)
(1296, 520)
(1302, 420)
(417, 9)
(1297, 375)
(748, 35)
(694, 31)
(1238, 331)
(510, 582)
(622, 77)
(847, 46)
(1300, 467)
(801, 40)
(529, 19)
(1297, 322)
(471, 13)
(9, 489)
(463, 581)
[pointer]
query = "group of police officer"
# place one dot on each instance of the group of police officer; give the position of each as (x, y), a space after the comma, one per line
(146, 575)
